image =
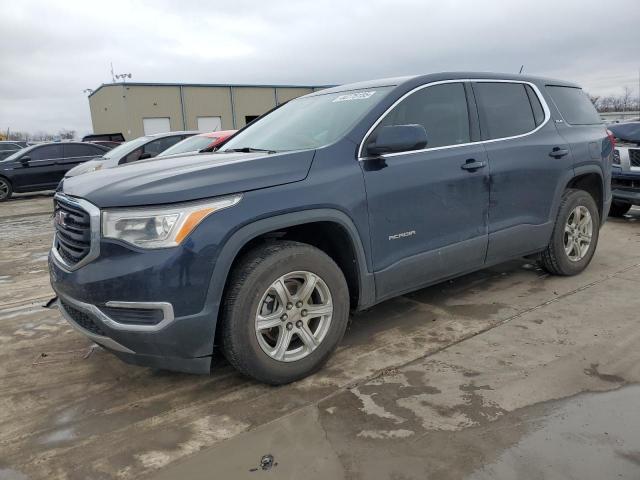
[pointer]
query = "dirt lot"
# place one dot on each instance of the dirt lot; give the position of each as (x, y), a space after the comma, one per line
(506, 373)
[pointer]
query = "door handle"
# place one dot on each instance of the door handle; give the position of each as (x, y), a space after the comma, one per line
(558, 152)
(473, 165)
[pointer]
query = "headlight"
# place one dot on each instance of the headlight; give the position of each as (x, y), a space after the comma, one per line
(616, 157)
(160, 227)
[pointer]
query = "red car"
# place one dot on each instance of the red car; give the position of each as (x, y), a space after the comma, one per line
(197, 143)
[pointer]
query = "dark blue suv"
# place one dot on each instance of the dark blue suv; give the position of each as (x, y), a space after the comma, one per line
(332, 202)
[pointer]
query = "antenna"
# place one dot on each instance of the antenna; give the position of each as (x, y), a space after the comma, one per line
(521, 69)
(113, 78)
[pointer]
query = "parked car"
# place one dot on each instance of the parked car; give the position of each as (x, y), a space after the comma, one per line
(10, 147)
(335, 201)
(140, 148)
(625, 181)
(42, 166)
(106, 137)
(198, 143)
(106, 143)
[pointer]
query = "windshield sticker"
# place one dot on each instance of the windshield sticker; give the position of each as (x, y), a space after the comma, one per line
(354, 96)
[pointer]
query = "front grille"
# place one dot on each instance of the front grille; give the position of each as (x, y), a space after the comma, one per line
(634, 157)
(73, 231)
(82, 319)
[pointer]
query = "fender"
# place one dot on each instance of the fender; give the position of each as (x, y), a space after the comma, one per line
(606, 189)
(242, 236)
(566, 179)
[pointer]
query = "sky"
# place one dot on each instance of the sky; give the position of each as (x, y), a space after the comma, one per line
(50, 52)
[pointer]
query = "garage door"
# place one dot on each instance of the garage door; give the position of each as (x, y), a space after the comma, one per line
(209, 124)
(156, 125)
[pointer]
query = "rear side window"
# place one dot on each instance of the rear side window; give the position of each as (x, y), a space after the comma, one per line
(536, 106)
(574, 105)
(505, 109)
(441, 109)
(75, 150)
(160, 145)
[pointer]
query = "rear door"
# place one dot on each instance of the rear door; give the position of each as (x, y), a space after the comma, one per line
(39, 171)
(529, 163)
(75, 154)
(427, 208)
(583, 130)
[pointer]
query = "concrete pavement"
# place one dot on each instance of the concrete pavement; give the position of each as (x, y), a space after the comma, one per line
(460, 380)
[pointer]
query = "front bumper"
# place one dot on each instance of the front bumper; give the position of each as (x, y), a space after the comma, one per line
(104, 299)
(625, 187)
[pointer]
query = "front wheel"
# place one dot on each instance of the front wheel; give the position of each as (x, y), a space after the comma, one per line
(575, 235)
(286, 309)
(5, 189)
(618, 209)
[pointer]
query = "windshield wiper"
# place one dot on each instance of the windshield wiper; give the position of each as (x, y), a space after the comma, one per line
(249, 150)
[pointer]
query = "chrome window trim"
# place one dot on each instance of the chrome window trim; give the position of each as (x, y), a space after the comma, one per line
(545, 108)
(94, 221)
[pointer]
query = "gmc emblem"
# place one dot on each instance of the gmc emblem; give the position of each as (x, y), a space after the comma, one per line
(60, 218)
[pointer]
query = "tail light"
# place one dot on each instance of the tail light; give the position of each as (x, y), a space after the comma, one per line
(612, 138)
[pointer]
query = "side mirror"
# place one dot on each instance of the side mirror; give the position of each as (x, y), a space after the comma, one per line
(25, 160)
(145, 155)
(397, 138)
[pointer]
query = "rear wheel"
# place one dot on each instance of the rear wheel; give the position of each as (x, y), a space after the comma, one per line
(575, 235)
(286, 308)
(5, 189)
(618, 209)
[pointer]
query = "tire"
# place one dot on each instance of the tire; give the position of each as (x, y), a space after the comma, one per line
(618, 209)
(5, 189)
(255, 352)
(555, 259)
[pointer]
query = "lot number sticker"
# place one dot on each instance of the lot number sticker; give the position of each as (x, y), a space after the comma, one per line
(354, 96)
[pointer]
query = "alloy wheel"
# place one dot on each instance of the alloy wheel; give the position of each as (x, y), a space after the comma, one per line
(4, 189)
(577, 233)
(293, 316)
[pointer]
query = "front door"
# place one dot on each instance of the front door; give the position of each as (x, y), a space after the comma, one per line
(427, 208)
(39, 171)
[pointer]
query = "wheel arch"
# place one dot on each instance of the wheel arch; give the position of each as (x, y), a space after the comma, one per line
(302, 226)
(591, 181)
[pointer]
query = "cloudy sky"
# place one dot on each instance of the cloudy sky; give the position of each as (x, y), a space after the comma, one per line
(51, 53)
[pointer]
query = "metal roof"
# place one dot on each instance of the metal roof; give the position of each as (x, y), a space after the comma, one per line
(223, 85)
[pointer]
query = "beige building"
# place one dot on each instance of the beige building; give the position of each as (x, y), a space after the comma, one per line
(136, 109)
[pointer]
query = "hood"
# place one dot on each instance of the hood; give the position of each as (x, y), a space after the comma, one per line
(89, 166)
(629, 131)
(172, 180)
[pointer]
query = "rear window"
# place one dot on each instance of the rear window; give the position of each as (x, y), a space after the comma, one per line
(505, 109)
(574, 105)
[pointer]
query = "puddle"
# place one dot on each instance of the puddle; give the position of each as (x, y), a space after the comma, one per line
(9, 474)
(63, 435)
(592, 435)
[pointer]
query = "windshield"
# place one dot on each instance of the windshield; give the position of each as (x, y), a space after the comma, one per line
(197, 142)
(125, 148)
(308, 122)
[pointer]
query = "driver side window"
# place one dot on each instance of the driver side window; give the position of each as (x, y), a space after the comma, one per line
(441, 109)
